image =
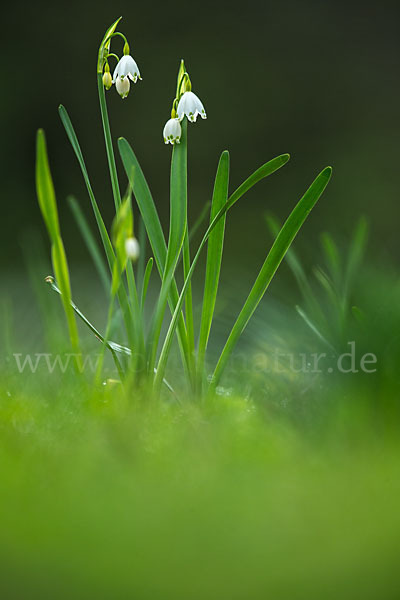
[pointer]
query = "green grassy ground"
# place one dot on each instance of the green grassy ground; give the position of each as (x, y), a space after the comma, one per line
(285, 485)
(105, 496)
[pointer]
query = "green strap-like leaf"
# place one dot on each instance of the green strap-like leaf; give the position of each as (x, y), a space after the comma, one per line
(47, 201)
(271, 263)
(113, 347)
(122, 295)
(146, 280)
(299, 274)
(70, 131)
(177, 228)
(214, 257)
(105, 45)
(45, 188)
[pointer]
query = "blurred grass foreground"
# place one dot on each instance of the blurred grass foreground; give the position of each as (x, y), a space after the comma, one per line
(289, 490)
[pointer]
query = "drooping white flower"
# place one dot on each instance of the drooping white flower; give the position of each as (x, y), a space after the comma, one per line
(127, 67)
(132, 248)
(172, 131)
(191, 106)
(123, 86)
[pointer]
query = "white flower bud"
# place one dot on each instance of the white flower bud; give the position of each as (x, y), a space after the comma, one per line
(132, 248)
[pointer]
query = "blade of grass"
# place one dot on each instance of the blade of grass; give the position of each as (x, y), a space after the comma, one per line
(110, 345)
(214, 258)
(267, 169)
(299, 274)
(142, 255)
(292, 260)
(122, 295)
(271, 263)
(313, 327)
(356, 254)
(48, 206)
(332, 257)
(145, 285)
(188, 301)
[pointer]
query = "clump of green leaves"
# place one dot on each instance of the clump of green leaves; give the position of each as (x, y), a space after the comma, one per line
(148, 351)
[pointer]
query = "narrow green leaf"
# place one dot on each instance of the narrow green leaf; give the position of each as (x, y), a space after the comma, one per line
(299, 273)
(177, 228)
(273, 260)
(70, 131)
(328, 285)
(145, 203)
(291, 258)
(110, 345)
(146, 280)
(48, 206)
(332, 257)
(314, 328)
(359, 315)
(105, 45)
(45, 188)
(214, 257)
(142, 245)
(262, 172)
(122, 295)
(356, 251)
(188, 301)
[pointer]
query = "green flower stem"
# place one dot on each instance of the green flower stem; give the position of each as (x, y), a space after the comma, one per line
(138, 333)
(109, 146)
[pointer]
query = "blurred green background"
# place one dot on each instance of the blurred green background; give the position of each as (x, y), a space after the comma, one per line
(316, 79)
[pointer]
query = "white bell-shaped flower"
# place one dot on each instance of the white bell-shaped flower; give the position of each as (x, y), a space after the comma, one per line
(172, 131)
(191, 106)
(132, 248)
(123, 86)
(127, 67)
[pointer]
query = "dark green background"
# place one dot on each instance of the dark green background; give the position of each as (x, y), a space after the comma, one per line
(317, 79)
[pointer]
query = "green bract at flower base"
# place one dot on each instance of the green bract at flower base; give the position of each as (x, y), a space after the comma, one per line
(145, 359)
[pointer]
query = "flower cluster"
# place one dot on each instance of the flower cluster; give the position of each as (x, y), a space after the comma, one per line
(187, 104)
(125, 72)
